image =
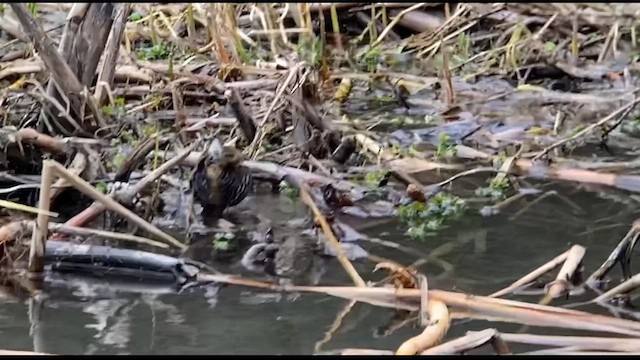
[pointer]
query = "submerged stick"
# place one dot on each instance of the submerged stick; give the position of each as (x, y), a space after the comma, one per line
(335, 326)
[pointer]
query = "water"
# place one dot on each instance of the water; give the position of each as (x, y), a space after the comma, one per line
(79, 319)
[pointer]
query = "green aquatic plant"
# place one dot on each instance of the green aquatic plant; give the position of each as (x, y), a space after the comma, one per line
(102, 187)
(33, 9)
(159, 51)
(310, 50)
(135, 16)
(372, 179)
(115, 109)
(425, 219)
(496, 190)
(371, 59)
(446, 147)
(288, 190)
(221, 241)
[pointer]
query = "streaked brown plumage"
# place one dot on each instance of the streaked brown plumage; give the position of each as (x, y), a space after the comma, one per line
(219, 180)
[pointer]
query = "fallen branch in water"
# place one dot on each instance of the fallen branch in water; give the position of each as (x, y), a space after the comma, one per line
(84, 232)
(279, 171)
(480, 307)
(536, 170)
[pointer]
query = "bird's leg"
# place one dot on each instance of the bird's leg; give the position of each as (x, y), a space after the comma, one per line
(190, 215)
(212, 216)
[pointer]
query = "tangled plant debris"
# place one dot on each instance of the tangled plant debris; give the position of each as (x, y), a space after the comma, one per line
(420, 115)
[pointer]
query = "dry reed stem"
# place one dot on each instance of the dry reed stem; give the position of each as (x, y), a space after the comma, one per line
(393, 23)
(465, 343)
(80, 231)
(562, 283)
(533, 276)
(326, 228)
(36, 251)
(558, 340)
(253, 147)
(106, 71)
(432, 334)
(60, 71)
(77, 166)
(110, 204)
(479, 306)
(507, 310)
(613, 258)
(623, 288)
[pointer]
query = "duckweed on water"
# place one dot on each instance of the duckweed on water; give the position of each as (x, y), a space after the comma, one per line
(221, 241)
(446, 147)
(425, 219)
(288, 190)
(496, 190)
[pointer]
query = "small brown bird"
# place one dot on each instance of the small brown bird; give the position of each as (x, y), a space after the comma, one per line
(219, 180)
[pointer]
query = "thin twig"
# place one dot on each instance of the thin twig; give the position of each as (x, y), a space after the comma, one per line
(86, 188)
(80, 231)
(326, 228)
(589, 128)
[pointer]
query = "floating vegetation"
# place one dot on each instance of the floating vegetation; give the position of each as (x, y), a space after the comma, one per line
(426, 219)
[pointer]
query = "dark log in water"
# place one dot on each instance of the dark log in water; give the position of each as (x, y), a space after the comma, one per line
(104, 260)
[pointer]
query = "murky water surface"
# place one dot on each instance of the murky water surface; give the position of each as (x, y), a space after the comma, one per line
(88, 317)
